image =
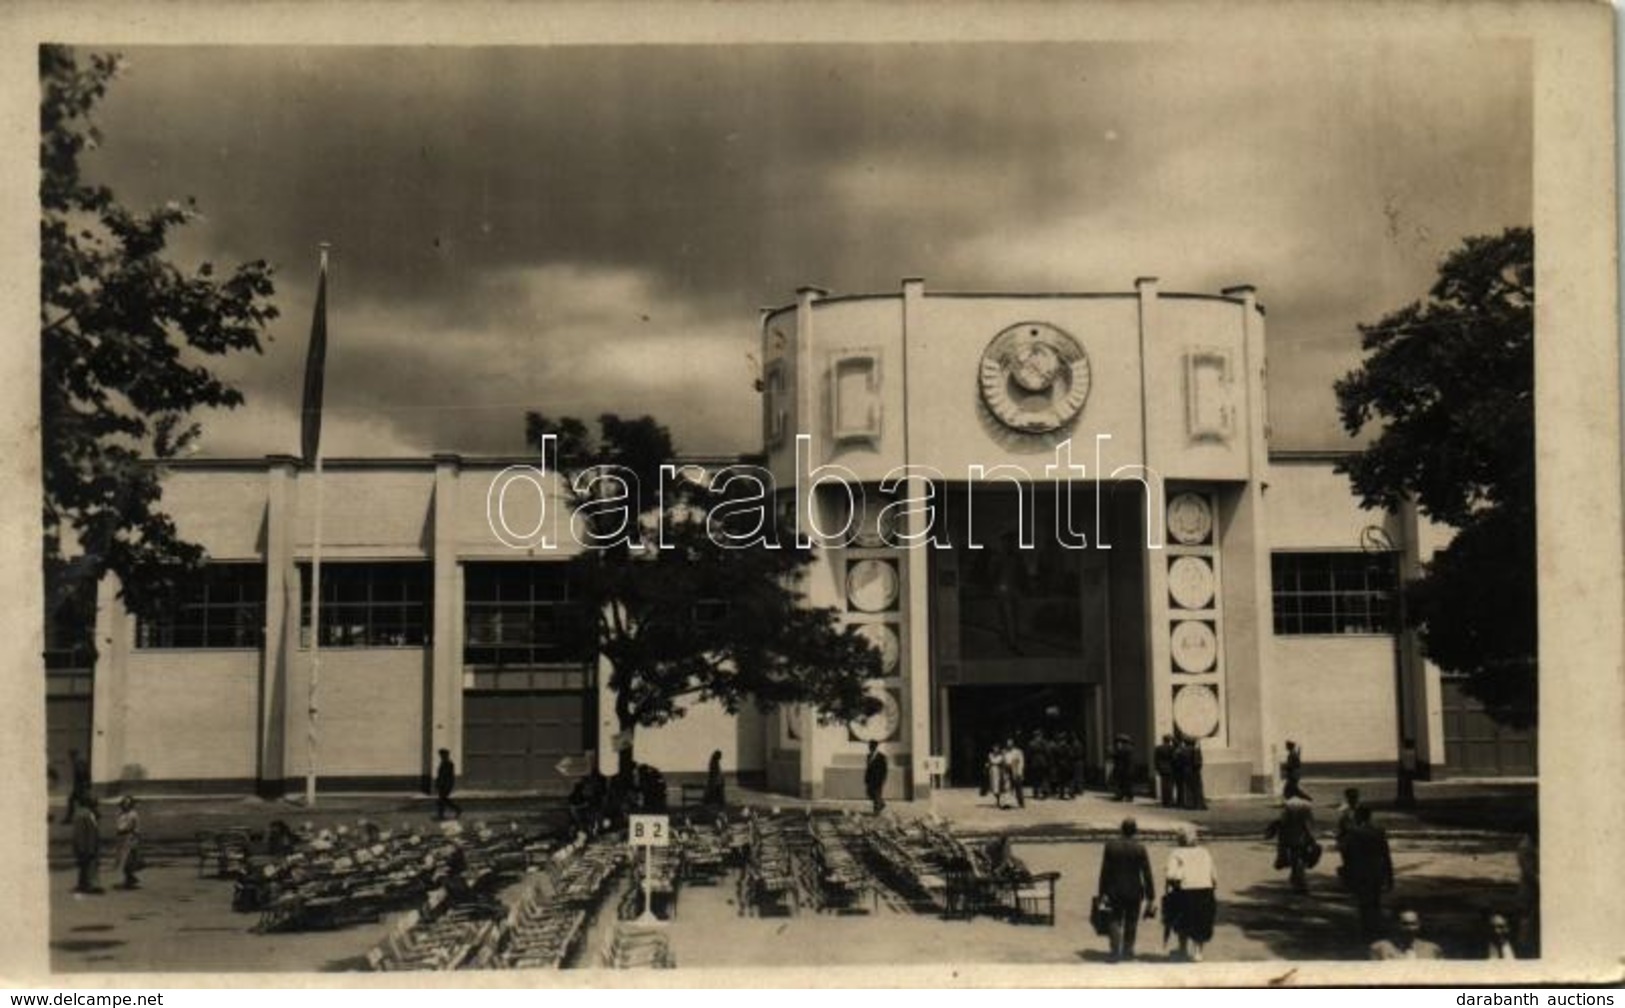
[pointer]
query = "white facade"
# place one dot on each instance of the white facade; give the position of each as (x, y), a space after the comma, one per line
(1159, 620)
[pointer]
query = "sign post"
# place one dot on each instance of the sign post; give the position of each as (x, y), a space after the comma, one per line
(934, 767)
(648, 832)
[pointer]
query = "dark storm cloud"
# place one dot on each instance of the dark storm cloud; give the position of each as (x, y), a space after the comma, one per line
(592, 227)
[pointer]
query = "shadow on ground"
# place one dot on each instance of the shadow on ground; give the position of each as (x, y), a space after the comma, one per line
(1323, 924)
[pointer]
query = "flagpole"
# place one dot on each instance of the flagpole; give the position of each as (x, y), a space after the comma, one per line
(316, 588)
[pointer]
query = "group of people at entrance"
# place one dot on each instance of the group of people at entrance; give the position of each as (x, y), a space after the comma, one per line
(1126, 893)
(1177, 762)
(1049, 766)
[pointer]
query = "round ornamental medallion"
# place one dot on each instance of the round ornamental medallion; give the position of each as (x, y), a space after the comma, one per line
(1190, 582)
(1195, 647)
(1034, 377)
(1196, 711)
(871, 585)
(884, 640)
(880, 727)
(1190, 519)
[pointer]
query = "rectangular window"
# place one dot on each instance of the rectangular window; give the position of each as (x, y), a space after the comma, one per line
(370, 604)
(1333, 593)
(220, 606)
(525, 616)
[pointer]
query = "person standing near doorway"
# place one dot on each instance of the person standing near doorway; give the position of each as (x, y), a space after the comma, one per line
(874, 776)
(1015, 764)
(1195, 793)
(1123, 769)
(445, 781)
(1162, 761)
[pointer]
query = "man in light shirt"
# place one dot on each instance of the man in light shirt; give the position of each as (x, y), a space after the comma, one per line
(1407, 942)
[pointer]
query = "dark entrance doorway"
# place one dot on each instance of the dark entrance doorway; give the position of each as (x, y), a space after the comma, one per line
(1022, 625)
(982, 716)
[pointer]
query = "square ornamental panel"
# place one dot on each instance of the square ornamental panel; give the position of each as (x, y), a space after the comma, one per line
(854, 396)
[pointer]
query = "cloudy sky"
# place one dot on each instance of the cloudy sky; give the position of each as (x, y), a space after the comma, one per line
(592, 228)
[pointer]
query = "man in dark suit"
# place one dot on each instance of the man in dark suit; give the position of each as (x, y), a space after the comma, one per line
(1195, 794)
(1123, 769)
(1162, 761)
(1126, 883)
(1368, 870)
(874, 776)
(445, 780)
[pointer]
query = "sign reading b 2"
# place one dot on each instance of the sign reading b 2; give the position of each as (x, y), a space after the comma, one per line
(648, 831)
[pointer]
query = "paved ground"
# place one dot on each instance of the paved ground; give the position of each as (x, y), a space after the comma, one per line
(179, 922)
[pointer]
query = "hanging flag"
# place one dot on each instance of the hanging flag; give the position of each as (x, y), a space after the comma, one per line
(310, 434)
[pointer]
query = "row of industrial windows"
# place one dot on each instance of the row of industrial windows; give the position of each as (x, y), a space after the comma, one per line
(530, 615)
(515, 615)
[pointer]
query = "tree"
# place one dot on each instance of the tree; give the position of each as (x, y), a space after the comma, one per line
(122, 334)
(682, 617)
(1450, 381)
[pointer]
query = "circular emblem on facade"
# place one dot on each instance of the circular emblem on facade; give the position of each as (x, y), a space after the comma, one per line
(884, 640)
(875, 524)
(881, 727)
(1190, 519)
(1196, 711)
(1190, 582)
(1195, 647)
(871, 586)
(1034, 377)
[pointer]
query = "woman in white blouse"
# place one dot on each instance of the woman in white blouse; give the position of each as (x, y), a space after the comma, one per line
(1189, 906)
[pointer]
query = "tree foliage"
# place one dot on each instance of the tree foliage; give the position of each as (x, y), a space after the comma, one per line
(694, 620)
(122, 335)
(1449, 382)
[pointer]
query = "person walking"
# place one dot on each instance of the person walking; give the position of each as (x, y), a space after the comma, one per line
(1295, 846)
(1292, 773)
(1125, 884)
(1015, 764)
(87, 846)
(1122, 769)
(1190, 903)
(128, 860)
(1407, 941)
(874, 776)
(1162, 761)
(445, 781)
(1368, 870)
(715, 789)
(997, 774)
